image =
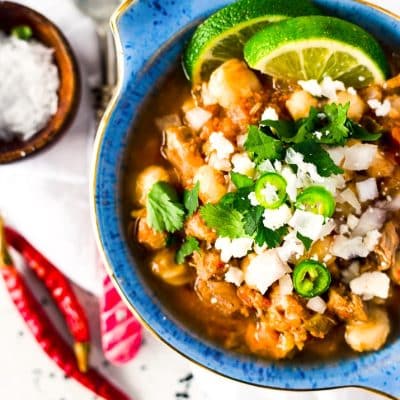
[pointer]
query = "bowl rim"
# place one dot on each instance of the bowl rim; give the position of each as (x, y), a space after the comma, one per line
(124, 6)
(38, 142)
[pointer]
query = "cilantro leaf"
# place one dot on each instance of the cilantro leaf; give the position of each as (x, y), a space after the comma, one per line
(307, 127)
(164, 212)
(188, 247)
(241, 181)
(263, 147)
(284, 129)
(332, 128)
(269, 237)
(358, 132)
(191, 199)
(226, 221)
(315, 154)
(335, 131)
(305, 240)
(251, 219)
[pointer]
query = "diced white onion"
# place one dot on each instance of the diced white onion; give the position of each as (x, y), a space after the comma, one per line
(222, 146)
(265, 269)
(285, 285)
(371, 284)
(235, 248)
(276, 218)
(359, 157)
(270, 113)
(337, 154)
(317, 304)
(371, 239)
(367, 189)
(234, 275)
(292, 246)
(348, 196)
(220, 164)
(352, 221)
(372, 218)
(197, 117)
(307, 224)
(348, 248)
(242, 164)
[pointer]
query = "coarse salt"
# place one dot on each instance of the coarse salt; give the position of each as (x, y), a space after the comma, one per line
(29, 84)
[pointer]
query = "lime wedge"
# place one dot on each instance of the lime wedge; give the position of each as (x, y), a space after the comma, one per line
(313, 47)
(223, 35)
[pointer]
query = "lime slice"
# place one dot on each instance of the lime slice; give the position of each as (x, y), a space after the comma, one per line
(223, 35)
(313, 47)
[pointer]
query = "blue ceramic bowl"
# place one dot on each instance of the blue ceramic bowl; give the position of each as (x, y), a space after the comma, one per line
(150, 36)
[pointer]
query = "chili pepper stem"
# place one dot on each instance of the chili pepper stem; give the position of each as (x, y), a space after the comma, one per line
(81, 350)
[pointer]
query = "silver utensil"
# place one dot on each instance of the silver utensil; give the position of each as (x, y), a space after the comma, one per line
(100, 11)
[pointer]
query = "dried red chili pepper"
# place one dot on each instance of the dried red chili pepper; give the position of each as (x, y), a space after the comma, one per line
(46, 334)
(61, 292)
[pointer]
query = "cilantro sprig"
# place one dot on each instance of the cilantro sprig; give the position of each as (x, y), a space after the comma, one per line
(191, 199)
(330, 126)
(314, 153)
(190, 246)
(227, 221)
(262, 147)
(164, 211)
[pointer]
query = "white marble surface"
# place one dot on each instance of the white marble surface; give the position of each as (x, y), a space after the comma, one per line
(27, 374)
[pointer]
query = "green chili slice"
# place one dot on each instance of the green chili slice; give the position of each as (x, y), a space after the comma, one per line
(271, 190)
(23, 32)
(317, 200)
(311, 278)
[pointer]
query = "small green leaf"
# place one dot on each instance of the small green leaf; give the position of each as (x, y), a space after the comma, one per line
(305, 240)
(358, 132)
(241, 181)
(335, 131)
(269, 237)
(263, 147)
(315, 154)
(164, 212)
(283, 129)
(191, 199)
(251, 219)
(188, 248)
(227, 222)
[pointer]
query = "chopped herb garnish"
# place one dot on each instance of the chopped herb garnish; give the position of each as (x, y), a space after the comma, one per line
(305, 240)
(269, 237)
(332, 129)
(358, 132)
(164, 212)
(241, 181)
(188, 248)
(315, 154)
(262, 147)
(251, 220)
(335, 130)
(284, 129)
(226, 221)
(191, 199)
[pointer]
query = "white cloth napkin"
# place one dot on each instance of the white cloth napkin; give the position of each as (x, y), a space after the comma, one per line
(46, 197)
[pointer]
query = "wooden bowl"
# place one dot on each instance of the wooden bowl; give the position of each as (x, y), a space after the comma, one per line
(44, 31)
